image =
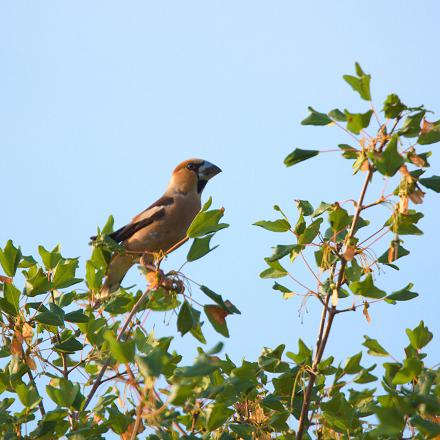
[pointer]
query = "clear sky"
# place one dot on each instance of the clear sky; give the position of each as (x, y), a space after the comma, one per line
(100, 100)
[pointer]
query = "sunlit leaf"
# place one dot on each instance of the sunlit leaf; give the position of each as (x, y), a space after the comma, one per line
(280, 225)
(10, 258)
(200, 248)
(366, 288)
(419, 336)
(358, 121)
(374, 348)
(316, 118)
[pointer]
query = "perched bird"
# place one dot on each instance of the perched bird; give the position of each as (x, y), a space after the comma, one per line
(163, 224)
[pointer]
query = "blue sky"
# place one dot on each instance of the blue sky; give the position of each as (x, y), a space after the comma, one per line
(100, 100)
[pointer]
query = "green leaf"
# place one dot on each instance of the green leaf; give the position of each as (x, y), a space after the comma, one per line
(6, 307)
(339, 218)
(374, 348)
(420, 336)
(76, 316)
(217, 416)
(281, 288)
(339, 414)
(298, 155)
(108, 227)
(273, 402)
(207, 204)
(64, 274)
(200, 247)
(300, 225)
(216, 316)
(430, 429)
(431, 135)
(94, 276)
(124, 351)
(68, 346)
(411, 126)
(27, 261)
(243, 430)
(348, 151)
(63, 392)
(202, 367)
(50, 258)
(389, 161)
(392, 422)
(316, 118)
(310, 232)
(275, 270)
(401, 252)
(410, 371)
(280, 225)
(323, 207)
(226, 305)
(162, 300)
(432, 182)
(50, 318)
(304, 207)
(352, 366)
(118, 421)
(36, 282)
(206, 222)
(282, 250)
(357, 121)
(304, 354)
(402, 295)
(360, 85)
(12, 296)
(404, 224)
(185, 318)
(337, 115)
(365, 377)
(278, 421)
(152, 364)
(27, 394)
(393, 107)
(366, 288)
(270, 360)
(354, 272)
(10, 258)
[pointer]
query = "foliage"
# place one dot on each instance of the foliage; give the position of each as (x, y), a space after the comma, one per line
(73, 368)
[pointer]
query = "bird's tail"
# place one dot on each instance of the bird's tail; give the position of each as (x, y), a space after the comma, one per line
(117, 268)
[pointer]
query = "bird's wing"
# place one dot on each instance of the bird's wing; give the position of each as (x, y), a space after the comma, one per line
(151, 214)
(158, 204)
(127, 231)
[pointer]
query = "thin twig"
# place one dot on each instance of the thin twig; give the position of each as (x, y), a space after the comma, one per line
(40, 403)
(139, 411)
(121, 333)
(327, 317)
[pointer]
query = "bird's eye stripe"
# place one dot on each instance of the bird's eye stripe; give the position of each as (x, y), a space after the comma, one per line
(192, 166)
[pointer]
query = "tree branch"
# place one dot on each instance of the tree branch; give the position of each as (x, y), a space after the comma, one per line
(98, 379)
(328, 316)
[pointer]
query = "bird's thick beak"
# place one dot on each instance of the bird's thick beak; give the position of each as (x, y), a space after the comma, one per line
(208, 170)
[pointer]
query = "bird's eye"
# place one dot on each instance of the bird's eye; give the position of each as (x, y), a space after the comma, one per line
(191, 166)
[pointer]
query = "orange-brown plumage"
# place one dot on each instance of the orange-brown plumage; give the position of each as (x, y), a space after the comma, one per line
(162, 224)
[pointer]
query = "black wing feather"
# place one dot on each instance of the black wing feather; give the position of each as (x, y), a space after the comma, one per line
(129, 230)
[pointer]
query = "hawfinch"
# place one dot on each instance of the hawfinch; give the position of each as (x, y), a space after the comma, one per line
(163, 224)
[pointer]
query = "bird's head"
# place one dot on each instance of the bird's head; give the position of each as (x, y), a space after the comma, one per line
(192, 175)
